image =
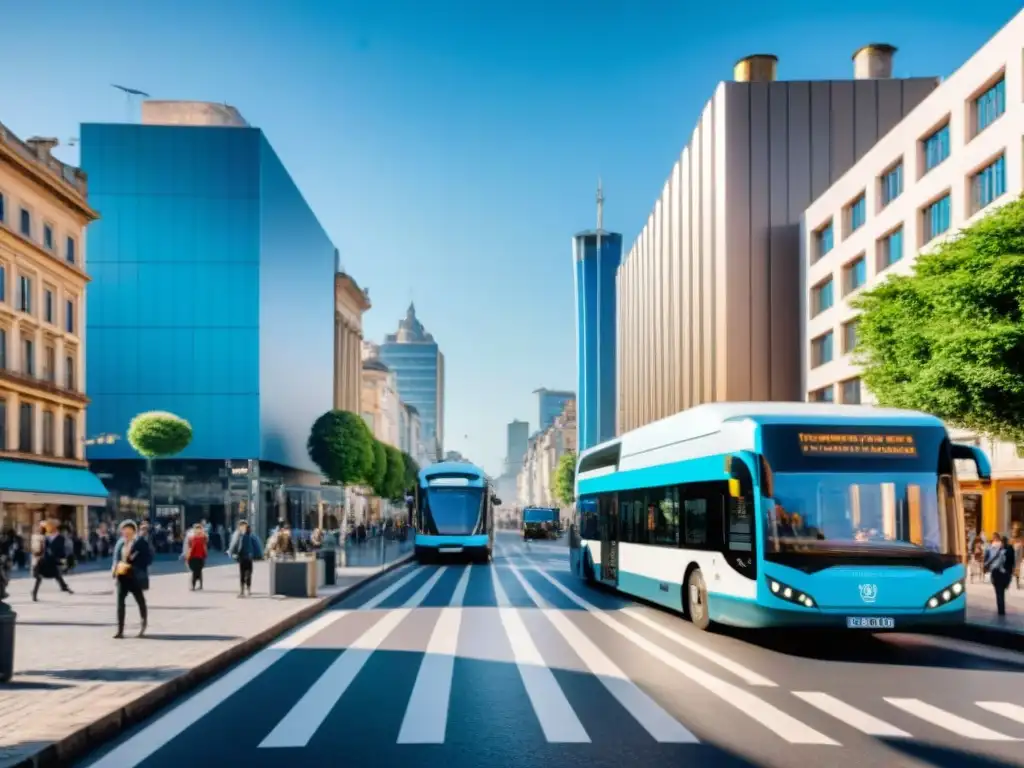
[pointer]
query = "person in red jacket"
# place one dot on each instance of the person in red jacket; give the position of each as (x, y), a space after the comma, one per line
(196, 550)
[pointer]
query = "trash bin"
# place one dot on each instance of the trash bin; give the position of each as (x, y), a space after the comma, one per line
(330, 558)
(293, 577)
(7, 620)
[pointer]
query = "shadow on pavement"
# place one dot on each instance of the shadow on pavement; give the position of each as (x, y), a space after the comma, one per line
(32, 685)
(949, 757)
(123, 675)
(194, 638)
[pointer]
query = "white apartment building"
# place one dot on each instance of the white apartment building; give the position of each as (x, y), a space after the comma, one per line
(950, 161)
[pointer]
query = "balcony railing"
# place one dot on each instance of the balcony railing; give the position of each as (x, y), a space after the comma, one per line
(69, 175)
(46, 386)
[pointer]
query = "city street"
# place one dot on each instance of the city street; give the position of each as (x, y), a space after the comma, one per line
(518, 664)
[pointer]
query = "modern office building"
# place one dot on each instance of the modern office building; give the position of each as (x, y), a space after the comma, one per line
(517, 438)
(350, 303)
(550, 403)
(213, 297)
(709, 293)
(949, 162)
(44, 212)
(418, 364)
(596, 257)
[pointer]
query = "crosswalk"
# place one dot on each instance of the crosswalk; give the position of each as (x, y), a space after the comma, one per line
(541, 616)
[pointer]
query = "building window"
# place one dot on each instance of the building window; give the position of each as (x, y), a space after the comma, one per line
(857, 213)
(822, 296)
(849, 336)
(26, 418)
(823, 395)
(70, 251)
(3, 208)
(855, 274)
(936, 148)
(69, 372)
(70, 439)
(25, 294)
(48, 237)
(48, 305)
(48, 434)
(821, 350)
(890, 249)
(989, 183)
(3, 283)
(69, 316)
(26, 223)
(823, 240)
(989, 106)
(3, 349)
(851, 391)
(892, 184)
(936, 218)
(28, 357)
(3, 424)
(50, 365)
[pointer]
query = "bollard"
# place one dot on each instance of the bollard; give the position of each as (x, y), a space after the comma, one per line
(8, 619)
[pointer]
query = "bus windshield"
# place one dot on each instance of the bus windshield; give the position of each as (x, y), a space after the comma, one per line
(455, 511)
(898, 513)
(540, 515)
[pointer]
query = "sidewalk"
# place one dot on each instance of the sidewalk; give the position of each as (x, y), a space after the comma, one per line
(70, 673)
(981, 612)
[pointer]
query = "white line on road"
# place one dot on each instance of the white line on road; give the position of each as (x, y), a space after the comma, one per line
(646, 711)
(380, 597)
(771, 717)
(852, 716)
(305, 718)
(555, 714)
(959, 725)
(426, 717)
(1004, 708)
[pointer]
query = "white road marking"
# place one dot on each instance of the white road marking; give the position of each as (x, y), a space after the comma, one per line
(1004, 708)
(771, 717)
(426, 716)
(646, 711)
(852, 716)
(961, 726)
(304, 719)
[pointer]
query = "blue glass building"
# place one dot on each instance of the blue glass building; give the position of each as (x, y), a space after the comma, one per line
(212, 297)
(596, 257)
(550, 403)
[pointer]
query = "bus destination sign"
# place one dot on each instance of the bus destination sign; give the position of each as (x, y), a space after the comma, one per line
(847, 444)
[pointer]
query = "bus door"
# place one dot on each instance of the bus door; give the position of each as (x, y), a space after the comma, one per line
(608, 521)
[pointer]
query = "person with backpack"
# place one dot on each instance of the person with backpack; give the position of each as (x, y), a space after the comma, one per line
(48, 550)
(245, 548)
(999, 566)
(195, 554)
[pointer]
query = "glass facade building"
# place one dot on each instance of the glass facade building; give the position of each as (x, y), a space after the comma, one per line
(213, 298)
(595, 262)
(550, 403)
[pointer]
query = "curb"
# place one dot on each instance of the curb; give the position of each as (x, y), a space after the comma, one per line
(985, 635)
(88, 738)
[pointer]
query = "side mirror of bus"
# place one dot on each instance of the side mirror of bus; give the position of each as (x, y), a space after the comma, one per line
(964, 452)
(495, 501)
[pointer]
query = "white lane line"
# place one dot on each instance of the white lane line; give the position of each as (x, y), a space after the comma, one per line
(646, 711)
(747, 675)
(771, 717)
(304, 719)
(426, 717)
(852, 716)
(155, 736)
(380, 597)
(1004, 708)
(555, 714)
(959, 725)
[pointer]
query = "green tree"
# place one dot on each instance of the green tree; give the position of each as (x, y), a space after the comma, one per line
(394, 477)
(563, 481)
(412, 471)
(341, 445)
(948, 339)
(158, 434)
(379, 471)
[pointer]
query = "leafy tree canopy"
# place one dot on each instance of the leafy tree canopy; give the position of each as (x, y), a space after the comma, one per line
(378, 474)
(156, 434)
(948, 339)
(412, 471)
(563, 481)
(394, 477)
(341, 445)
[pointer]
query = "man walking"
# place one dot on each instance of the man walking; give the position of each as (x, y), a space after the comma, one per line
(245, 548)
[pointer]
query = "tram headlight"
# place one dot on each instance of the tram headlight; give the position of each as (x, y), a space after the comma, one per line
(789, 594)
(947, 595)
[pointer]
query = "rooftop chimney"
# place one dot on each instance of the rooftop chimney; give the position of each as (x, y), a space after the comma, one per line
(757, 68)
(42, 146)
(873, 62)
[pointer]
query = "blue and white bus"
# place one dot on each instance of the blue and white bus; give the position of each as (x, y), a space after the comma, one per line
(541, 523)
(780, 514)
(454, 512)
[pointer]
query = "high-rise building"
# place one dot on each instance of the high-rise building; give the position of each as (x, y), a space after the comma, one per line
(596, 257)
(550, 403)
(44, 211)
(709, 295)
(213, 297)
(418, 365)
(516, 443)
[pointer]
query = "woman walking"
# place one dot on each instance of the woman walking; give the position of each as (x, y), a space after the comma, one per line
(132, 558)
(196, 550)
(47, 552)
(999, 565)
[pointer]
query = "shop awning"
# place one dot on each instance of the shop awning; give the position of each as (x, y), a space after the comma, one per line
(24, 482)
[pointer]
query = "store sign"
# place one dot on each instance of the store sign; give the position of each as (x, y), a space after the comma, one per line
(846, 444)
(168, 511)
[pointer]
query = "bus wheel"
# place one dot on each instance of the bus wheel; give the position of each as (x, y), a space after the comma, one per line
(697, 600)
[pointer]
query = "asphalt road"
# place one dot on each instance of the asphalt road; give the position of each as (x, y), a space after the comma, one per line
(518, 664)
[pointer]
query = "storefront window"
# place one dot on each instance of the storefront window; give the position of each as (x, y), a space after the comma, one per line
(972, 513)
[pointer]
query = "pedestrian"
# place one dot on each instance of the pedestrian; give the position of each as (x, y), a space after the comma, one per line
(999, 567)
(196, 551)
(245, 548)
(130, 569)
(47, 553)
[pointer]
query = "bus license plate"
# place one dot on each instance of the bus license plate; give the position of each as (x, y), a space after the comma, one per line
(450, 550)
(870, 622)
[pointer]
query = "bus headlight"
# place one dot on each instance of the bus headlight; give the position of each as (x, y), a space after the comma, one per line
(947, 595)
(789, 594)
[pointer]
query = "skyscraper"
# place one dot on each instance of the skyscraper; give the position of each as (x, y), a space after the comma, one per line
(418, 365)
(596, 256)
(550, 403)
(518, 437)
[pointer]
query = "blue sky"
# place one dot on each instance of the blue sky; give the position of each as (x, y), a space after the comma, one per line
(451, 148)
